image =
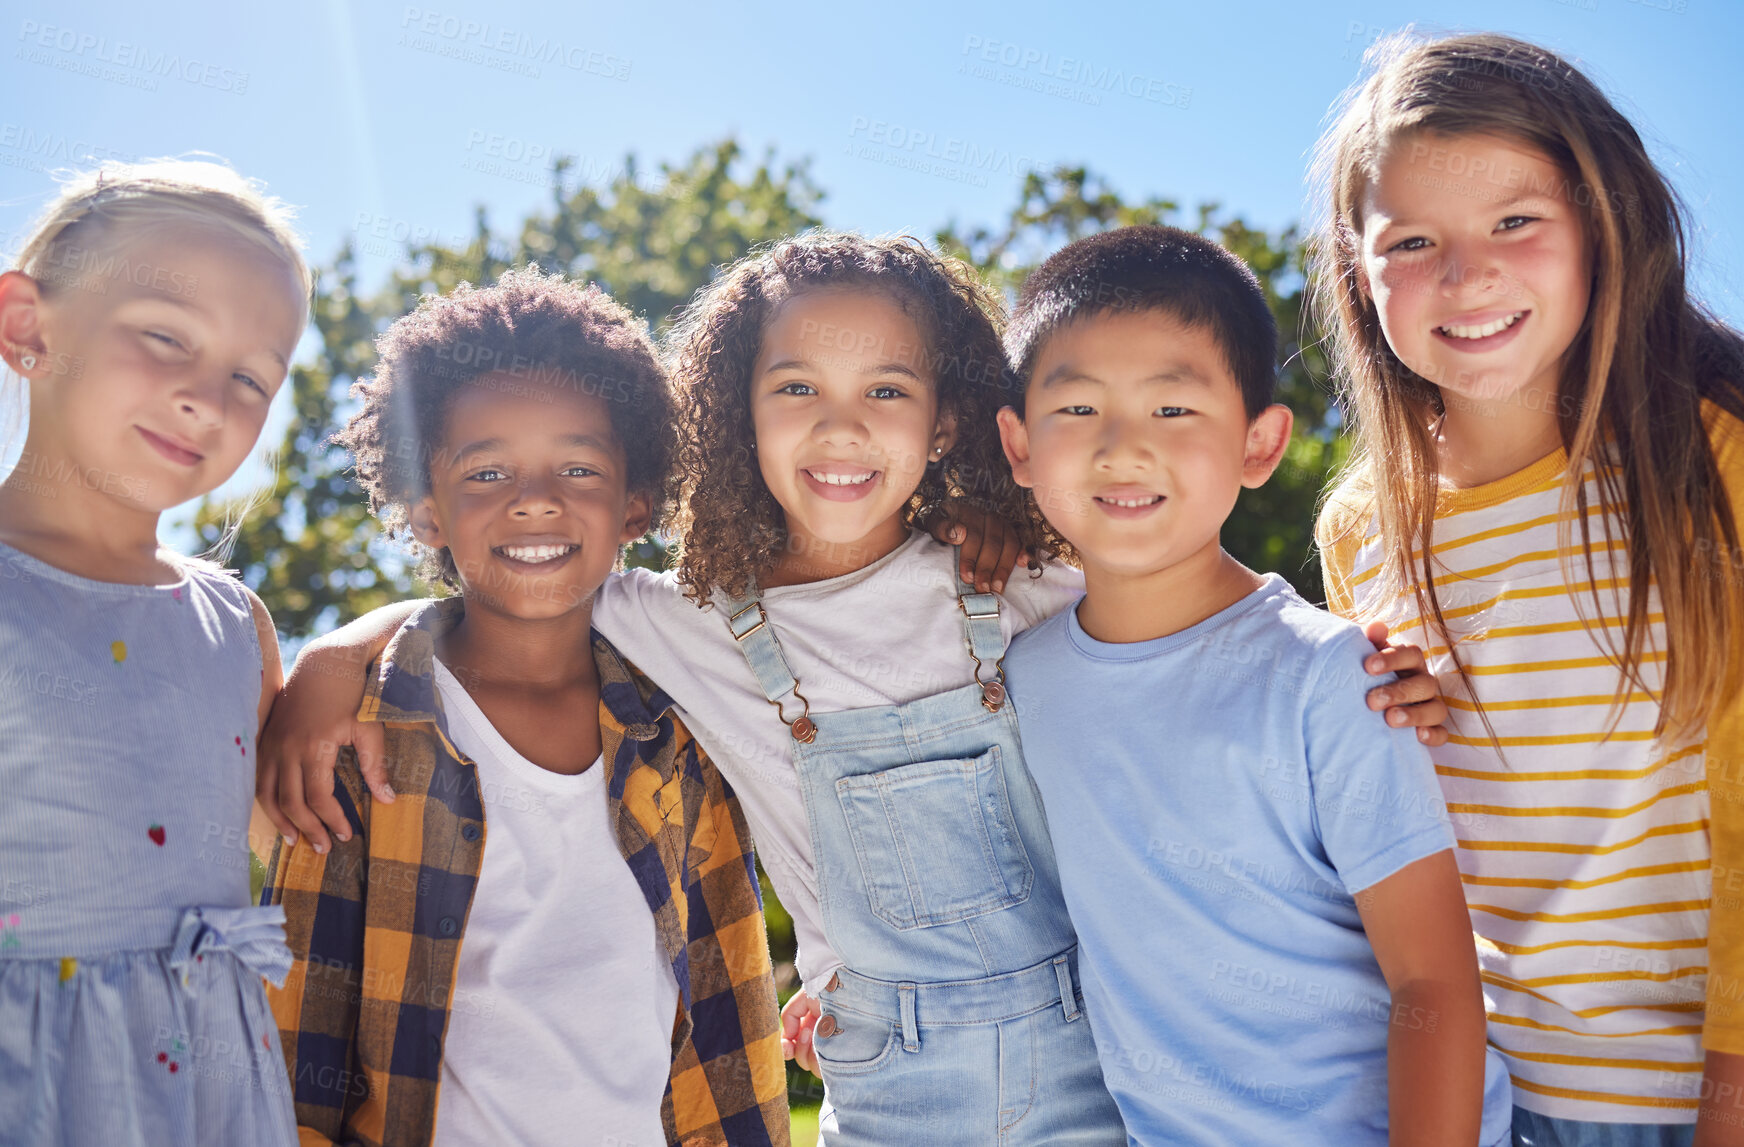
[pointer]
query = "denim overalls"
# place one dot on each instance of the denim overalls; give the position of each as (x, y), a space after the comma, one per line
(958, 1019)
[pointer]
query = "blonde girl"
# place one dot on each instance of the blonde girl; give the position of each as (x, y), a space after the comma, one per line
(151, 319)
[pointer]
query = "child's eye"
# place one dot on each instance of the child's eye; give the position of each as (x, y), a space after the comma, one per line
(1414, 243)
(168, 340)
(1079, 411)
(580, 472)
(886, 392)
(253, 383)
(798, 388)
(487, 475)
(1172, 411)
(1515, 222)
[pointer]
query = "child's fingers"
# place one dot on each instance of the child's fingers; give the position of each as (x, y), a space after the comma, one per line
(318, 791)
(370, 742)
(1401, 659)
(296, 809)
(804, 1053)
(1376, 632)
(992, 563)
(266, 795)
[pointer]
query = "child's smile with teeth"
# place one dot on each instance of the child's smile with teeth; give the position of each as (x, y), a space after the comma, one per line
(839, 478)
(1482, 330)
(536, 554)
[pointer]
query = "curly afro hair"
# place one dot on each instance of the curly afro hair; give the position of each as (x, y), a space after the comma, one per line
(529, 330)
(733, 529)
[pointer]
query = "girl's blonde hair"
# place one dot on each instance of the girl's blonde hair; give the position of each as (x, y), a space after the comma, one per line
(1630, 399)
(99, 209)
(76, 240)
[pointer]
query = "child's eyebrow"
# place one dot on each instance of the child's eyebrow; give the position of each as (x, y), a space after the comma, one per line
(193, 307)
(1065, 373)
(483, 445)
(1181, 372)
(807, 365)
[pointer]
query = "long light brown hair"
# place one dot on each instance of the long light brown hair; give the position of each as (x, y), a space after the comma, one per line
(1632, 382)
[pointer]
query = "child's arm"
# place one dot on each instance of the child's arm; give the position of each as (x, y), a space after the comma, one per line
(315, 714)
(1721, 1118)
(261, 833)
(1417, 921)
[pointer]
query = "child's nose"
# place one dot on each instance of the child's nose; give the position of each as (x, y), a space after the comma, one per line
(202, 399)
(1124, 444)
(840, 426)
(537, 498)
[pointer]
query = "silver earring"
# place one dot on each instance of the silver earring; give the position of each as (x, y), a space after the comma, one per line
(27, 360)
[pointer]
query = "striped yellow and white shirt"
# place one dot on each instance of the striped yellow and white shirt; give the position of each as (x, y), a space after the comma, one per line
(1585, 848)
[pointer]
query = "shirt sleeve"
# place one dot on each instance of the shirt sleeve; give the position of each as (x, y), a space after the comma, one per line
(1723, 1027)
(1035, 598)
(1337, 539)
(1377, 804)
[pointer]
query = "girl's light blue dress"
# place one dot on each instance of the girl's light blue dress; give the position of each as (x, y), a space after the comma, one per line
(131, 1005)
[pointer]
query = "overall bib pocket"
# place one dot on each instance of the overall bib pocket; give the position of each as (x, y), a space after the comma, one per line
(936, 841)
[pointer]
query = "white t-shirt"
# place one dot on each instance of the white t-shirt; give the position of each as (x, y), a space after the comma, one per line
(887, 634)
(564, 1003)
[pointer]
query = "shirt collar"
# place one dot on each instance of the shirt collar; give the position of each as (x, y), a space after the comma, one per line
(403, 690)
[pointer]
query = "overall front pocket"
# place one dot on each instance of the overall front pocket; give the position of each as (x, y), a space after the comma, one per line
(936, 841)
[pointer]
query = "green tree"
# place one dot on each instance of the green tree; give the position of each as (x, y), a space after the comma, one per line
(309, 547)
(1272, 527)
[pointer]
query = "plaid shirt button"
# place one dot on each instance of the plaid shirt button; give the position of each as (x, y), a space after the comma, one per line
(447, 926)
(469, 832)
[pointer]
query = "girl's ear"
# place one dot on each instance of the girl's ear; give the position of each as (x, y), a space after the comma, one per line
(638, 516)
(21, 323)
(1268, 436)
(1014, 437)
(426, 526)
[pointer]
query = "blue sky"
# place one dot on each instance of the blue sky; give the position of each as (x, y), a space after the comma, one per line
(383, 120)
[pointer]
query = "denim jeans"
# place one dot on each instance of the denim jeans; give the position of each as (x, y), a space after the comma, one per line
(1534, 1130)
(958, 1018)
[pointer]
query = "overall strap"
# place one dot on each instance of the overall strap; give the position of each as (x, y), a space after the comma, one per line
(755, 637)
(985, 639)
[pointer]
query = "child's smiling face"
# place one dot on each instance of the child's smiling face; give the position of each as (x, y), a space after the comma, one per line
(1477, 262)
(159, 376)
(1136, 439)
(528, 492)
(846, 416)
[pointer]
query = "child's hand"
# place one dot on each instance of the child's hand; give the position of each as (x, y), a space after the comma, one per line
(990, 547)
(315, 714)
(797, 1020)
(1415, 698)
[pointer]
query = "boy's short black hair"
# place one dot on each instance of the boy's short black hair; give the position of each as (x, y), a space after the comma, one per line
(533, 330)
(1151, 268)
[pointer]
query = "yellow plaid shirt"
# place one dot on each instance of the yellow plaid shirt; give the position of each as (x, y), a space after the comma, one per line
(376, 924)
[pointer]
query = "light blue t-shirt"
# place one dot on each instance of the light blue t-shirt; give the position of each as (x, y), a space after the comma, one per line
(1215, 797)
